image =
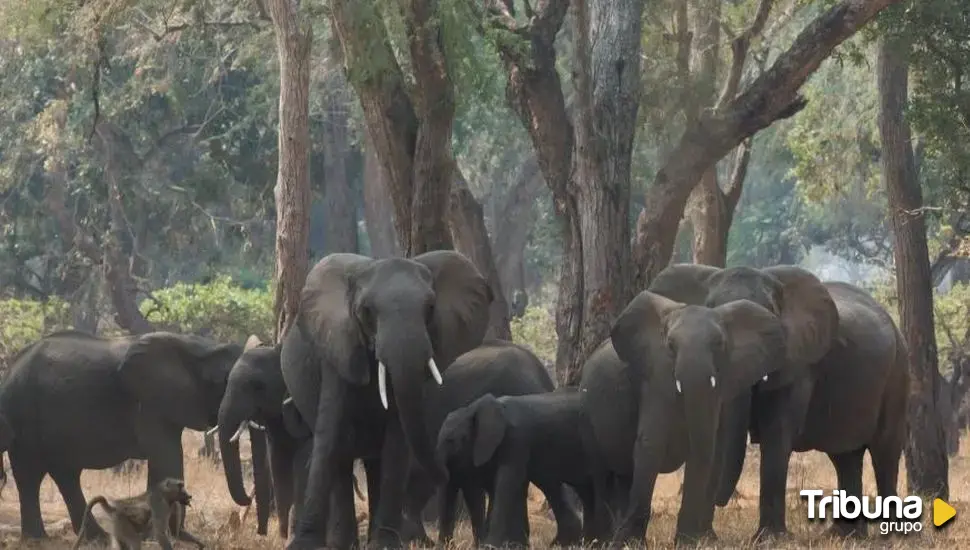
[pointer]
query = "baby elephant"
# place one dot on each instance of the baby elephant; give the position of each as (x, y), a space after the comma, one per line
(515, 440)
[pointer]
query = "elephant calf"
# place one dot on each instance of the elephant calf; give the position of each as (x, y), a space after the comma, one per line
(515, 440)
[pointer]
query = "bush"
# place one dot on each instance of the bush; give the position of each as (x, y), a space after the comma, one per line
(537, 330)
(22, 322)
(222, 310)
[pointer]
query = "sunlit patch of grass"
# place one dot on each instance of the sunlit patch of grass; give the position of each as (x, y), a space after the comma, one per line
(224, 526)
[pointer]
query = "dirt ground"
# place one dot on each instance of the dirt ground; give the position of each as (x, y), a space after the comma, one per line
(224, 526)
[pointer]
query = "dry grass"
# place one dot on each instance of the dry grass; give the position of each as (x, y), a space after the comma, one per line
(224, 526)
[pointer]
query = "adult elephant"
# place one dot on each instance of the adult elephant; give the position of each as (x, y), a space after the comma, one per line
(256, 393)
(499, 368)
(74, 401)
(847, 391)
(657, 395)
(369, 333)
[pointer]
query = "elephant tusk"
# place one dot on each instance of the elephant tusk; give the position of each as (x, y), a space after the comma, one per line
(256, 426)
(212, 430)
(678, 385)
(434, 371)
(382, 382)
(713, 382)
(288, 400)
(242, 427)
(765, 378)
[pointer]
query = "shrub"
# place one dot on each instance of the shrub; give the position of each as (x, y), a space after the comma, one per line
(222, 310)
(537, 330)
(22, 322)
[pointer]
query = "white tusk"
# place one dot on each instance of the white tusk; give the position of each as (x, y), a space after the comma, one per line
(765, 378)
(242, 427)
(678, 385)
(288, 400)
(211, 431)
(256, 426)
(434, 371)
(713, 382)
(382, 382)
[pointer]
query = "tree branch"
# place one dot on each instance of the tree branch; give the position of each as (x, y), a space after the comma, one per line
(732, 192)
(739, 52)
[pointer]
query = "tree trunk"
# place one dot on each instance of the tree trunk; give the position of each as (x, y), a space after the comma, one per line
(471, 239)
(514, 222)
(772, 96)
(378, 210)
(926, 460)
(712, 210)
(340, 208)
(294, 36)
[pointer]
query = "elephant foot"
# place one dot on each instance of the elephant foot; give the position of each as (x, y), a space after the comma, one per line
(412, 532)
(568, 535)
(384, 539)
(306, 542)
(624, 540)
(695, 539)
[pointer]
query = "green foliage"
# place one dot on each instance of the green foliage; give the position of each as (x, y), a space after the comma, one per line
(22, 322)
(222, 309)
(537, 330)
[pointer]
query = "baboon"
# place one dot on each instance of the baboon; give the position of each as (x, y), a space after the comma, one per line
(131, 520)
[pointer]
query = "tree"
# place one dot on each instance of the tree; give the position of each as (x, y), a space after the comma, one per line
(294, 37)
(927, 466)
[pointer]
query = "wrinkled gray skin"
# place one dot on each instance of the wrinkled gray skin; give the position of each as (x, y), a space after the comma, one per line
(497, 367)
(355, 312)
(845, 390)
(515, 440)
(78, 402)
(256, 392)
(670, 406)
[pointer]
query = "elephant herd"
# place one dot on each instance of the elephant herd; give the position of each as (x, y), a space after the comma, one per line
(388, 363)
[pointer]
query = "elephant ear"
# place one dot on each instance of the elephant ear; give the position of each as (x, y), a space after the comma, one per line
(176, 375)
(490, 425)
(326, 319)
(639, 332)
(807, 312)
(685, 283)
(461, 309)
(755, 344)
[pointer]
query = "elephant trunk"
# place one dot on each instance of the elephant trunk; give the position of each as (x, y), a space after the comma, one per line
(733, 443)
(231, 421)
(702, 412)
(409, 377)
(261, 479)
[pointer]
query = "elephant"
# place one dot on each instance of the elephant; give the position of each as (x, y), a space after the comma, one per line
(512, 441)
(656, 394)
(499, 368)
(256, 392)
(846, 388)
(368, 336)
(74, 401)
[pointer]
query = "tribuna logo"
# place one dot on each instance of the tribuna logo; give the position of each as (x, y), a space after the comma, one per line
(895, 514)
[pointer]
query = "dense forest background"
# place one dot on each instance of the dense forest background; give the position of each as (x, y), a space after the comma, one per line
(141, 186)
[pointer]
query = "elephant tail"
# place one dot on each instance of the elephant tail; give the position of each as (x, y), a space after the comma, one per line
(3, 475)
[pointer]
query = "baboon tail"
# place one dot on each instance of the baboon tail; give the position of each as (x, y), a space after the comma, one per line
(87, 514)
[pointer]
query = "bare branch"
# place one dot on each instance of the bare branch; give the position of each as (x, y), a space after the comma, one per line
(732, 193)
(739, 52)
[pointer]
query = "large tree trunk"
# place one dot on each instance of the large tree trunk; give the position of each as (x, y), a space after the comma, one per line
(926, 460)
(712, 210)
(471, 239)
(378, 210)
(294, 36)
(772, 96)
(514, 221)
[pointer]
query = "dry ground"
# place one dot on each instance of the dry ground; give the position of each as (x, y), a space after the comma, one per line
(225, 526)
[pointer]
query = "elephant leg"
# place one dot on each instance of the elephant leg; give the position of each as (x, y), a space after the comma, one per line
(598, 521)
(569, 528)
(163, 447)
(311, 527)
(419, 491)
(372, 471)
(301, 472)
(281, 466)
(474, 497)
(587, 495)
(69, 484)
(848, 468)
(386, 521)
(261, 480)
(28, 477)
(885, 450)
(447, 497)
(342, 529)
(508, 524)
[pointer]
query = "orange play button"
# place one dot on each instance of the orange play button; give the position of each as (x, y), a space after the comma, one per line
(942, 512)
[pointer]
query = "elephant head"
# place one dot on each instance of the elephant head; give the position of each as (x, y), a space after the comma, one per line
(254, 393)
(472, 434)
(179, 378)
(697, 359)
(401, 319)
